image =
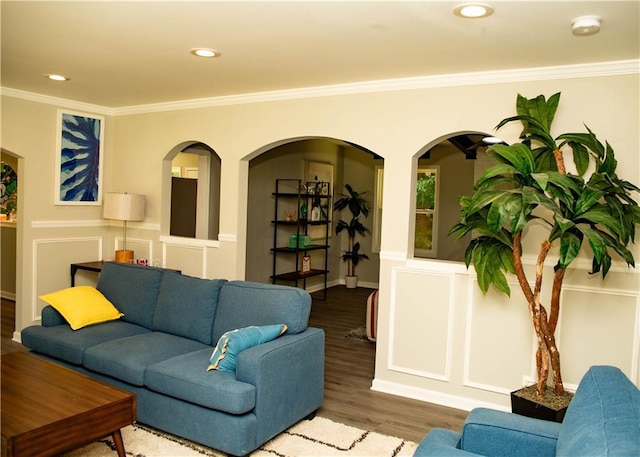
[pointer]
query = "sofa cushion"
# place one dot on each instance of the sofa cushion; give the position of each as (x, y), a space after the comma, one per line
(184, 377)
(69, 345)
(133, 289)
(244, 303)
(498, 433)
(186, 306)
(603, 418)
(82, 306)
(127, 359)
(235, 341)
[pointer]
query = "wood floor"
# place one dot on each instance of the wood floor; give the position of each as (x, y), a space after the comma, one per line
(349, 370)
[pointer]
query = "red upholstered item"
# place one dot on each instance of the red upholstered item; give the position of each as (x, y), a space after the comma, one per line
(372, 315)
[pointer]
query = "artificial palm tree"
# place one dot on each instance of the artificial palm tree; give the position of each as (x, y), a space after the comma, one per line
(530, 184)
(357, 205)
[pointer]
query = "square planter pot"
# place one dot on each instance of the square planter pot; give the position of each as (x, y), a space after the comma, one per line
(530, 408)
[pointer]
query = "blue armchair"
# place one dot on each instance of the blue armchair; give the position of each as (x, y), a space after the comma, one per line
(603, 419)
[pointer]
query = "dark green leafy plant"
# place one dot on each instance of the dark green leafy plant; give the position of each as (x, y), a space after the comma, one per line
(592, 209)
(353, 257)
(357, 205)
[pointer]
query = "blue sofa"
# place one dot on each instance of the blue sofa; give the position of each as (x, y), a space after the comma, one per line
(603, 419)
(160, 350)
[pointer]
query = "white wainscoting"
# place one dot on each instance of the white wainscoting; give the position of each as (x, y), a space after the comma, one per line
(448, 343)
(52, 258)
(422, 305)
(142, 249)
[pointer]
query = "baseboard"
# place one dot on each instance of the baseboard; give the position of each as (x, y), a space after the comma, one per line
(8, 295)
(17, 337)
(361, 284)
(341, 282)
(430, 396)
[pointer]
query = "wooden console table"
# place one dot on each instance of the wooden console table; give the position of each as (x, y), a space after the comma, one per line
(96, 267)
(88, 266)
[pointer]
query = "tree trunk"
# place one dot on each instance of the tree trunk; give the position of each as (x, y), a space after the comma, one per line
(544, 326)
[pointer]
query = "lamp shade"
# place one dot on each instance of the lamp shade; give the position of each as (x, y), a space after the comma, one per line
(123, 206)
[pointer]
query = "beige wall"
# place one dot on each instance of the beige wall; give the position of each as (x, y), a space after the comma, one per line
(439, 339)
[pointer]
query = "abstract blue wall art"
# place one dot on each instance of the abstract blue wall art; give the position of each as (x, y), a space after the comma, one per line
(79, 159)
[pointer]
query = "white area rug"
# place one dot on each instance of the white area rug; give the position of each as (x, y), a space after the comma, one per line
(319, 437)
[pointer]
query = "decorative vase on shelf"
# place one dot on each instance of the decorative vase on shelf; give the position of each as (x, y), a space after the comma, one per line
(303, 211)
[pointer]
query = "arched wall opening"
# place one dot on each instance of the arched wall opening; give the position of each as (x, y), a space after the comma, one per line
(11, 231)
(191, 192)
(443, 171)
(291, 159)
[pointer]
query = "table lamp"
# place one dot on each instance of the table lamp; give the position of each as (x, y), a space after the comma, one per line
(124, 207)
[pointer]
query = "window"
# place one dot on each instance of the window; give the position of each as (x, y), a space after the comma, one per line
(377, 210)
(426, 235)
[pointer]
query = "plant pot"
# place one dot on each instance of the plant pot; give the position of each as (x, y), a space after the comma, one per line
(351, 282)
(530, 408)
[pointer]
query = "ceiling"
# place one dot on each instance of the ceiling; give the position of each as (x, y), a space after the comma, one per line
(129, 53)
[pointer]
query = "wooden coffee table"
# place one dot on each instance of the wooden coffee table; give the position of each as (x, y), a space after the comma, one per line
(48, 409)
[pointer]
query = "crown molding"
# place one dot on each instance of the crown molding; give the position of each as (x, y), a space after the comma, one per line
(57, 101)
(591, 70)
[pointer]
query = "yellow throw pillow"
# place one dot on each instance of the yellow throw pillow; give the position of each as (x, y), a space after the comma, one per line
(82, 306)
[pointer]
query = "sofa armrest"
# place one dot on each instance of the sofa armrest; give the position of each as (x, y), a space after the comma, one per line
(495, 433)
(50, 317)
(441, 443)
(288, 374)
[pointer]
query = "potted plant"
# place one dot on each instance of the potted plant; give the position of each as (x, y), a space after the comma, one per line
(590, 208)
(357, 205)
(353, 256)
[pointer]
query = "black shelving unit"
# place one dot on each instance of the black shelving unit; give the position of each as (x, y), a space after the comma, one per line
(289, 219)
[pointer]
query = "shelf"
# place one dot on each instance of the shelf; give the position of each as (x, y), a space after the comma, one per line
(296, 195)
(296, 275)
(290, 197)
(311, 247)
(300, 222)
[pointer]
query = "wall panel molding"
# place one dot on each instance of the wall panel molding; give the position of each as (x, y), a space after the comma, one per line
(201, 249)
(64, 247)
(149, 243)
(438, 328)
(70, 224)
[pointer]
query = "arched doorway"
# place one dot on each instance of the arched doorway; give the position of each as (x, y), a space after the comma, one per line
(289, 159)
(445, 170)
(191, 192)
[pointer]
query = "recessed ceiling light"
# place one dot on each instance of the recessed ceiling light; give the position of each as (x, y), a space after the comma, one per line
(205, 52)
(585, 25)
(473, 10)
(492, 140)
(57, 77)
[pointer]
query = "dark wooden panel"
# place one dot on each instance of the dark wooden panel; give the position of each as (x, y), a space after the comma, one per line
(48, 409)
(184, 201)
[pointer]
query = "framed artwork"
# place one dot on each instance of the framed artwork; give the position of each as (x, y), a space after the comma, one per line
(8, 194)
(321, 172)
(79, 158)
